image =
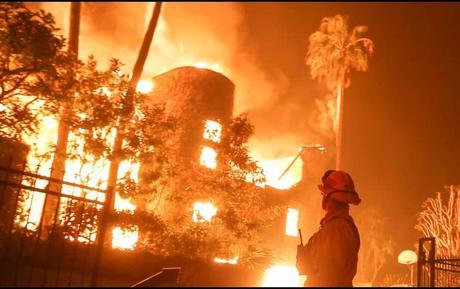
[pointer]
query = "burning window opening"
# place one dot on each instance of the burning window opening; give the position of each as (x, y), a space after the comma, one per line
(144, 86)
(208, 157)
(282, 276)
(212, 131)
(292, 220)
(124, 205)
(203, 212)
(125, 238)
(232, 261)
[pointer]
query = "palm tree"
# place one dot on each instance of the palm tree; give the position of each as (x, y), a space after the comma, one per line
(333, 52)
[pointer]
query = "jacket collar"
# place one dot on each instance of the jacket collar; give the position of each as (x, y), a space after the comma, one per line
(342, 212)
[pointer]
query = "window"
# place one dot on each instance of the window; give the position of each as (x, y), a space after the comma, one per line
(208, 157)
(212, 131)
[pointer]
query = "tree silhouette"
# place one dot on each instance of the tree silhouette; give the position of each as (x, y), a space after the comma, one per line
(34, 69)
(442, 221)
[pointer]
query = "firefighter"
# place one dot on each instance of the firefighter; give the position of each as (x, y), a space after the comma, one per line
(330, 257)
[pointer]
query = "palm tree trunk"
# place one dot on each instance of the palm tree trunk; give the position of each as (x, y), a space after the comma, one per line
(339, 121)
(137, 71)
(51, 204)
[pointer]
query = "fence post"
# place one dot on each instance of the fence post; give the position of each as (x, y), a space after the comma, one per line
(420, 261)
(101, 232)
(431, 258)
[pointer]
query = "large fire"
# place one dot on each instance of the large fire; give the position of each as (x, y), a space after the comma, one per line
(97, 172)
(94, 174)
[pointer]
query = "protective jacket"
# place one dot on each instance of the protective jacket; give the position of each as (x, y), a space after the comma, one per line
(330, 257)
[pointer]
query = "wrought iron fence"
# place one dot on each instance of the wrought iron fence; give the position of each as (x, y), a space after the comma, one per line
(64, 252)
(435, 271)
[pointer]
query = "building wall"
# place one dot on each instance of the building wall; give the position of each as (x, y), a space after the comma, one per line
(194, 95)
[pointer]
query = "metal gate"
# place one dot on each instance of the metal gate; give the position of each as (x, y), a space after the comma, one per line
(69, 253)
(435, 271)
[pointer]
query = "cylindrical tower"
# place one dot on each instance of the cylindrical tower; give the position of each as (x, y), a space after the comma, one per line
(202, 100)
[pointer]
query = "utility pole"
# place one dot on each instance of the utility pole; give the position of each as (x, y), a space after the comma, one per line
(128, 103)
(319, 147)
(51, 205)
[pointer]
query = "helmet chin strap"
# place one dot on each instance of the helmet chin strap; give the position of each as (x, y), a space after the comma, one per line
(323, 204)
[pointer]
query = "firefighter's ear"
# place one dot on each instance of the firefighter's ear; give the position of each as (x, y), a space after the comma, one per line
(321, 188)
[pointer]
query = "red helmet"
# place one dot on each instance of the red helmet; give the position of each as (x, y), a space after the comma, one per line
(339, 186)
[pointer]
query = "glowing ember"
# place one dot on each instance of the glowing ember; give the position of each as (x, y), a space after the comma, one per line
(292, 220)
(208, 157)
(212, 131)
(104, 90)
(232, 261)
(144, 86)
(125, 239)
(203, 212)
(281, 276)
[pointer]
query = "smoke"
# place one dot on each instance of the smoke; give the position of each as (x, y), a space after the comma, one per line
(187, 33)
(323, 120)
(213, 34)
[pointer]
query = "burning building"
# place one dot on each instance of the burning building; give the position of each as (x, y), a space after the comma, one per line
(203, 101)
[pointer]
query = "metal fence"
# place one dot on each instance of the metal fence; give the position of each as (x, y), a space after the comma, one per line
(64, 252)
(435, 271)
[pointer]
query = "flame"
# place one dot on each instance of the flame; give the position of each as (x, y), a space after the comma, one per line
(232, 261)
(205, 65)
(212, 131)
(125, 239)
(208, 157)
(40, 145)
(274, 168)
(203, 212)
(201, 64)
(93, 174)
(292, 220)
(144, 86)
(282, 276)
